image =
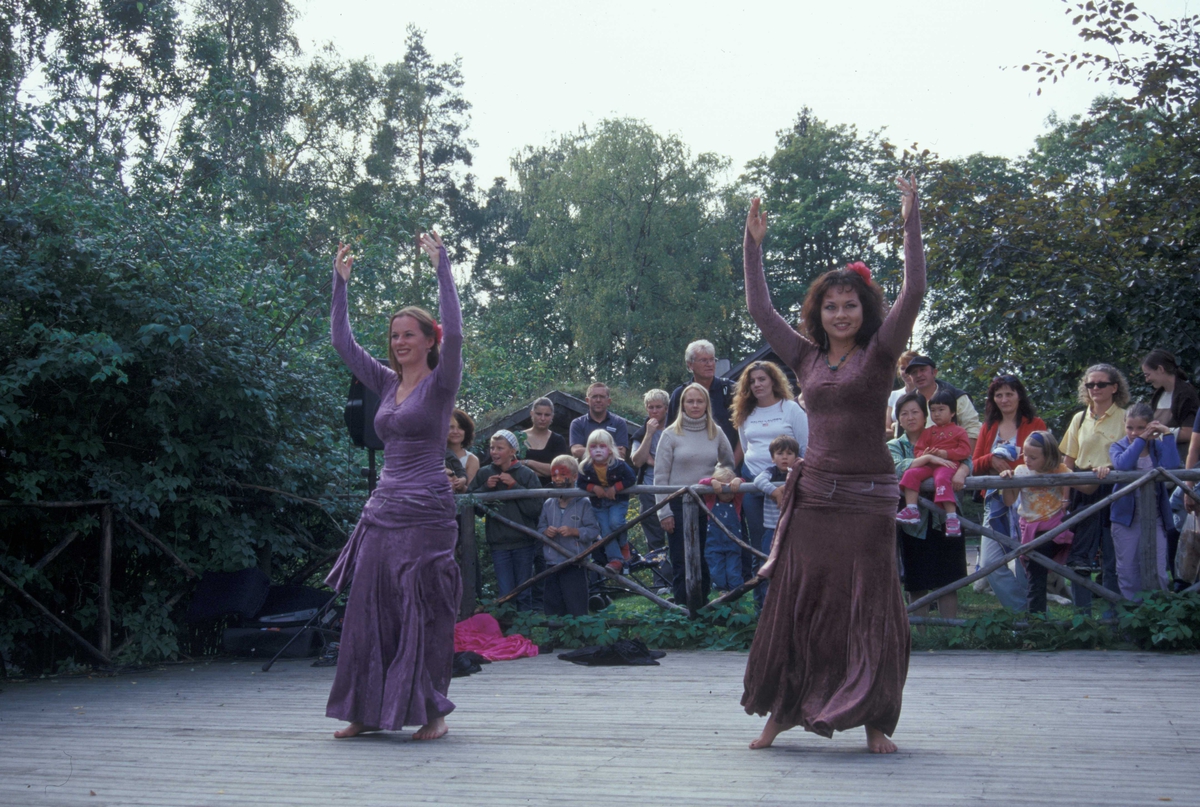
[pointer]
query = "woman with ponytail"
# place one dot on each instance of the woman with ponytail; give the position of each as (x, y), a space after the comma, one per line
(397, 643)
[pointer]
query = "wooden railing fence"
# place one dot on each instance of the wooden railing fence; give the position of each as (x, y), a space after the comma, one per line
(1137, 483)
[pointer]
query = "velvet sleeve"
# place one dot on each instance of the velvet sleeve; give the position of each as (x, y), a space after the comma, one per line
(897, 327)
(449, 369)
(364, 366)
(789, 345)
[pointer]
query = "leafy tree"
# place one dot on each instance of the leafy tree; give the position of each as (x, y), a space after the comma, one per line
(620, 264)
(830, 193)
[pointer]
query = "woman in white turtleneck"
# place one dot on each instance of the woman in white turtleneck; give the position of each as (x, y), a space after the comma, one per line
(688, 451)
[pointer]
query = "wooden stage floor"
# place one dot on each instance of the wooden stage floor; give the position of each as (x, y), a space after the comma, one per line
(1067, 728)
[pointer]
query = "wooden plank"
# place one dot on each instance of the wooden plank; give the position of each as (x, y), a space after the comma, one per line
(468, 552)
(104, 604)
(1147, 505)
(692, 556)
(530, 732)
(56, 550)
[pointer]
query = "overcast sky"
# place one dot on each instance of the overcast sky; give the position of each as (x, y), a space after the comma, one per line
(725, 77)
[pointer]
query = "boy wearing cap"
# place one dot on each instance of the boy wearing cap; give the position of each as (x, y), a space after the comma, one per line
(512, 551)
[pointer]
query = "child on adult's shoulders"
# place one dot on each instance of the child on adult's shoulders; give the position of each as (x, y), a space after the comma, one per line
(938, 453)
(571, 523)
(605, 475)
(723, 556)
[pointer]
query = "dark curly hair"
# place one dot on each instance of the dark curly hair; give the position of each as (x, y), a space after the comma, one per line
(869, 294)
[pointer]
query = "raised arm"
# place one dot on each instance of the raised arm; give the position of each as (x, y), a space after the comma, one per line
(897, 328)
(364, 366)
(782, 338)
(449, 369)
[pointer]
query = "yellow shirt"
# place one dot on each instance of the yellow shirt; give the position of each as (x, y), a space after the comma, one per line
(1088, 438)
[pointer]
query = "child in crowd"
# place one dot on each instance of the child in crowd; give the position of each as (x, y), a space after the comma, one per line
(604, 475)
(947, 441)
(784, 453)
(571, 523)
(512, 551)
(723, 556)
(785, 450)
(1147, 444)
(1040, 510)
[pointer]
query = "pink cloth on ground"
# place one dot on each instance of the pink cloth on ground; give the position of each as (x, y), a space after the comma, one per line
(481, 634)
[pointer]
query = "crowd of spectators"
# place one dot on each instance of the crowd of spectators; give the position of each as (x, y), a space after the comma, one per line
(743, 436)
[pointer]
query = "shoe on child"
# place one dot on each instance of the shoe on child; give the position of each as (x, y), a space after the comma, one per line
(909, 515)
(953, 527)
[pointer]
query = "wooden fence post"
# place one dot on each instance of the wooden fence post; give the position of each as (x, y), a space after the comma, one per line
(105, 605)
(468, 555)
(1147, 505)
(692, 557)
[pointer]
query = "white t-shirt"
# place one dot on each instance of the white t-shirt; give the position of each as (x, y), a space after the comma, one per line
(895, 396)
(766, 423)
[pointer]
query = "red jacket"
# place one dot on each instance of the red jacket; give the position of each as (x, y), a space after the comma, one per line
(951, 438)
(981, 463)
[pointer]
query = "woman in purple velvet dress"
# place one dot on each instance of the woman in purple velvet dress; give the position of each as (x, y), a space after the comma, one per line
(397, 644)
(831, 649)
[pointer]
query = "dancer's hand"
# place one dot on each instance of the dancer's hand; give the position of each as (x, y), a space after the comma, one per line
(343, 262)
(431, 242)
(908, 194)
(756, 221)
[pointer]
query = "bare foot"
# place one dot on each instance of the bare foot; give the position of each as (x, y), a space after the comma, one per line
(770, 731)
(432, 730)
(353, 730)
(878, 742)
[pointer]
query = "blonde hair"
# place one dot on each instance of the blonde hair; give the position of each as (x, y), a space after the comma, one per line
(723, 473)
(601, 437)
(659, 395)
(565, 461)
(710, 424)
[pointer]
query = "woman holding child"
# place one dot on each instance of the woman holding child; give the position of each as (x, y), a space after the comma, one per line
(397, 644)
(932, 558)
(1008, 420)
(832, 646)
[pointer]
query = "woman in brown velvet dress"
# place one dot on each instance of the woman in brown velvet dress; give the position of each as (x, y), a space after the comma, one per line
(831, 651)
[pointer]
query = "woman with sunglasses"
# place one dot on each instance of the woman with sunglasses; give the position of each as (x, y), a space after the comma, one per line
(1008, 420)
(1104, 392)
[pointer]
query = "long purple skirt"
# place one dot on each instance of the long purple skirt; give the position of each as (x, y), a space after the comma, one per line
(397, 644)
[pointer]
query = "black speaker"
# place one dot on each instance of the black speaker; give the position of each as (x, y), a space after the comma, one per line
(361, 405)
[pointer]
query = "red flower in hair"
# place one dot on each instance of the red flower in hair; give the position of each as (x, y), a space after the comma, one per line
(859, 268)
(437, 334)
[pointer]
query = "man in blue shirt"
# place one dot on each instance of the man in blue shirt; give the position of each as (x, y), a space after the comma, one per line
(598, 417)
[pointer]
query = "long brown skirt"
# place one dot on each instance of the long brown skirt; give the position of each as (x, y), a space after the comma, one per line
(831, 651)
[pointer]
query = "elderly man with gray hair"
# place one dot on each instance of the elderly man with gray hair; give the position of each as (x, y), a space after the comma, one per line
(700, 358)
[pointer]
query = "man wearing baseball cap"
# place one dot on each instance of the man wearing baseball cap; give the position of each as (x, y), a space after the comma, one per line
(923, 373)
